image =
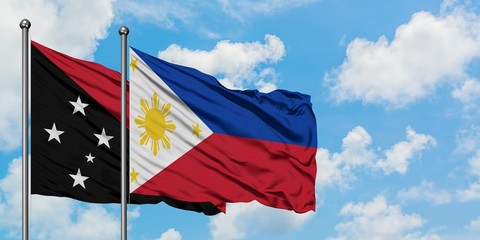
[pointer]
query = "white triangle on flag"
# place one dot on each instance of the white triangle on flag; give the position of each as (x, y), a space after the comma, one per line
(176, 130)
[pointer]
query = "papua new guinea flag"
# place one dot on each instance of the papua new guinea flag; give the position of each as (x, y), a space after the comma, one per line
(75, 126)
(194, 140)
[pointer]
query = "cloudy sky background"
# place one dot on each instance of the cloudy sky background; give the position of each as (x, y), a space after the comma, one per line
(395, 88)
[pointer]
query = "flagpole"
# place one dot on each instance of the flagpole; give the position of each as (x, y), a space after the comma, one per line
(123, 31)
(25, 26)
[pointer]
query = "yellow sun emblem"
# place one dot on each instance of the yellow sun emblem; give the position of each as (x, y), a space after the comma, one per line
(155, 124)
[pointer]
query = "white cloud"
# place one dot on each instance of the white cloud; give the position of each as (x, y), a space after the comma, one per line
(448, 5)
(164, 13)
(413, 65)
(425, 191)
(471, 231)
(420, 236)
(336, 169)
(73, 27)
(239, 71)
(133, 213)
(474, 163)
(468, 93)
(379, 220)
(52, 217)
(398, 157)
(170, 234)
(202, 17)
(244, 219)
(357, 152)
(92, 222)
(468, 140)
(331, 171)
(11, 195)
(472, 193)
(242, 9)
(473, 226)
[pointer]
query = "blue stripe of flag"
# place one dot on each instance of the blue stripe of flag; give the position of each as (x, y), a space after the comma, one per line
(279, 116)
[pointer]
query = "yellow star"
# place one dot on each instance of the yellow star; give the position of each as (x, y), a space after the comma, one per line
(133, 175)
(196, 129)
(133, 63)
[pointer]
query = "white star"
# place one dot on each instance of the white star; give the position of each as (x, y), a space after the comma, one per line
(103, 138)
(78, 106)
(54, 133)
(79, 179)
(89, 157)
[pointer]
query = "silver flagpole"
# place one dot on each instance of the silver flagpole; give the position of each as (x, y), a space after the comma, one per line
(123, 31)
(25, 26)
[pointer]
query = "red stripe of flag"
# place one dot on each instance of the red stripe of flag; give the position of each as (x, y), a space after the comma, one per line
(224, 168)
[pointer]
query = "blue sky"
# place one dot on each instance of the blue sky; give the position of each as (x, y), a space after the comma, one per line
(395, 89)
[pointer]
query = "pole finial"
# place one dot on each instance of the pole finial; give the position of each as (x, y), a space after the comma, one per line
(25, 24)
(123, 30)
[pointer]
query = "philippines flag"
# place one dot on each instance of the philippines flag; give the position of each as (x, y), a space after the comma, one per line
(192, 139)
